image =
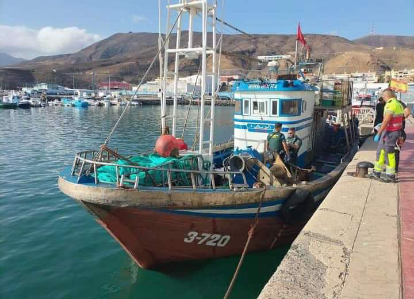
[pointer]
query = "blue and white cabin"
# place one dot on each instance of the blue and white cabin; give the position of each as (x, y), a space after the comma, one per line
(260, 104)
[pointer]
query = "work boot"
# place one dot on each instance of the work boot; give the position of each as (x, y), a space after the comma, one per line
(389, 178)
(375, 175)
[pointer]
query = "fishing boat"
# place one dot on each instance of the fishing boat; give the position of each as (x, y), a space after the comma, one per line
(15, 99)
(5, 104)
(165, 207)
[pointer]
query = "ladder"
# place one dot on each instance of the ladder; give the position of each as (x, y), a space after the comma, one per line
(193, 10)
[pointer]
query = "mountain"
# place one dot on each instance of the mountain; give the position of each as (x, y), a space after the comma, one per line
(389, 41)
(126, 56)
(7, 60)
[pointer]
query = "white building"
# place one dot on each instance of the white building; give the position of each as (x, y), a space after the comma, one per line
(185, 85)
(405, 75)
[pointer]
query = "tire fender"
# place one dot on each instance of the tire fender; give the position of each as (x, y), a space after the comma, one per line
(298, 207)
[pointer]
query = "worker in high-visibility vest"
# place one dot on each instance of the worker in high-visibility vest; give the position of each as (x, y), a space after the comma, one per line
(387, 136)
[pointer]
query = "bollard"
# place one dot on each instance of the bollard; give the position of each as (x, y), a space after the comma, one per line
(362, 169)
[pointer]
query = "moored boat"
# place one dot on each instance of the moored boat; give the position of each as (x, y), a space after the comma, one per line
(164, 208)
(7, 105)
(80, 102)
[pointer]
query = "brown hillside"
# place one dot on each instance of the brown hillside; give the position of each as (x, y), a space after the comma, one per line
(126, 56)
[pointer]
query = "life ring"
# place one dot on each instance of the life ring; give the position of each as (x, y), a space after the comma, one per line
(298, 207)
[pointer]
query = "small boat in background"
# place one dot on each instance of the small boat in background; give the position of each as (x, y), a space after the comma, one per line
(16, 99)
(5, 104)
(35, 102)
(67, 102)
(80, 102)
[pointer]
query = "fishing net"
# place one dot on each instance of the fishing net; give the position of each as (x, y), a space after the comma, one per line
(153, 176)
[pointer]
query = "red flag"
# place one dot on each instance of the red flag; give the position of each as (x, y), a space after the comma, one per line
(300, 36)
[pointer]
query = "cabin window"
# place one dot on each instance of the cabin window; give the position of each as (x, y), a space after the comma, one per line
(246, 106)
(274, 107)
(259, 107)
(303, 106)
(237, 107)
(291, 107)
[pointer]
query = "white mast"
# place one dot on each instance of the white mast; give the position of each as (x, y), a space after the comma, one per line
(194, 8)
(160, 42)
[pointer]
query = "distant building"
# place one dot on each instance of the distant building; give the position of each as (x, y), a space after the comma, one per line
(355, 77)
(403, 75)
(115, 85)
(185, 85)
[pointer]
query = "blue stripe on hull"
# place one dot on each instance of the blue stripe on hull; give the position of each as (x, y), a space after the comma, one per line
(258, 121)
(277, 204)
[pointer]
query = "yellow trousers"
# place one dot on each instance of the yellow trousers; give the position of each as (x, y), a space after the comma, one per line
(381, 162)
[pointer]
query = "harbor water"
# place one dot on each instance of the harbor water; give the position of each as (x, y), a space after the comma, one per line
(50, 247)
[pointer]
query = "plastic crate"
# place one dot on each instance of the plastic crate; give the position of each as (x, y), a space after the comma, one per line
(325, 102)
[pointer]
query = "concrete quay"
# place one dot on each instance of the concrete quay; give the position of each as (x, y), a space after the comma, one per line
(360, 241)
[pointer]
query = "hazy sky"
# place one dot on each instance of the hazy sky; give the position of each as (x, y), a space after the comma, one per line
(30, 28)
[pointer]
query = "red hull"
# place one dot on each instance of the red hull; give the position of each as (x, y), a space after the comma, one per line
(154, 237)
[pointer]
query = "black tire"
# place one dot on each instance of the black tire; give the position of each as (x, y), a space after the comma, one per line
(298, 207)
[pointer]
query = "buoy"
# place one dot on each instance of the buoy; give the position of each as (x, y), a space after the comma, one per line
(180, 143)
(166, 145)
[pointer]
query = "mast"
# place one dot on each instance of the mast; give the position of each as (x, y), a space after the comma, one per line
(160, 41)
(204, 9)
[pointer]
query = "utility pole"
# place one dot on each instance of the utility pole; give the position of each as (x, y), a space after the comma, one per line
(93, 80)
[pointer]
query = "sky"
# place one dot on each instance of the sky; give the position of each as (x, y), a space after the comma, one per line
(31, 28)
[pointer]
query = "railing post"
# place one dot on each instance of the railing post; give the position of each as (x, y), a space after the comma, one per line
(117, 175)
(75, 164)
(136, 182)
(95, 173)
(169, 179)
(81, 170)
(193, 181)
(213, 183)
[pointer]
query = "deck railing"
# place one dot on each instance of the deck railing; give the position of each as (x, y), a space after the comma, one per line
(365, 115)
(87, 163)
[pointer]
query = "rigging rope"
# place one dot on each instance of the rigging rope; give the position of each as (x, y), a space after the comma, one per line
(142, 80)
(191, 102)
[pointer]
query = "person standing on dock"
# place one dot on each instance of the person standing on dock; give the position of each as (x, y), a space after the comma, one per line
(379, 111)
(276, 141)
(403, 135)
(387, 136)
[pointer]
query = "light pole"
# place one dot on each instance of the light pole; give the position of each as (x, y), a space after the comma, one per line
(93, 80)
(55, 75)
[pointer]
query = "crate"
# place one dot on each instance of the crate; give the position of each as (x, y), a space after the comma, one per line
(337, 103)
(326, 103)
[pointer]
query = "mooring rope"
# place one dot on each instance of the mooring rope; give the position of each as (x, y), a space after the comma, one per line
(250, 236)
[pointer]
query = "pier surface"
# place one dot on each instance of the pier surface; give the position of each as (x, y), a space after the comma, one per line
(360, 241)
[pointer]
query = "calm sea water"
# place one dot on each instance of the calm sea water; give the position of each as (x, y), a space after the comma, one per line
(50, 247)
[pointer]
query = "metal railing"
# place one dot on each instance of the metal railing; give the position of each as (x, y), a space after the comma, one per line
(365, 115)
(88, 162)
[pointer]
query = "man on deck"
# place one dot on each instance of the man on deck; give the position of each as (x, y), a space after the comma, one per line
(294, 143)
(387, 136)
(276, 141)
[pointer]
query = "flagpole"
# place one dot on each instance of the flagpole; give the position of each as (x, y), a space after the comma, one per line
(296, 53)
